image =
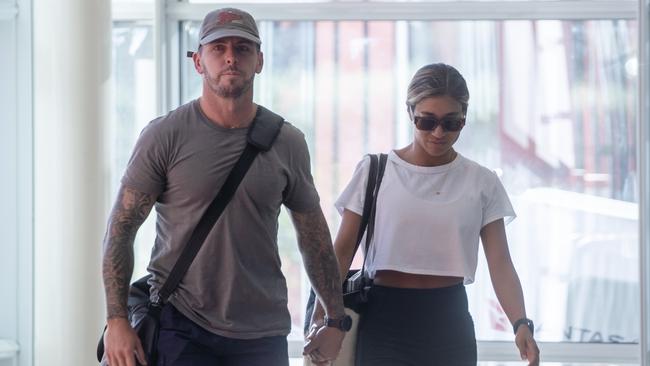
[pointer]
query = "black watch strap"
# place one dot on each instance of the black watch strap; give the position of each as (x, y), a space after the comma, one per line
(524, 321)
(343, 323)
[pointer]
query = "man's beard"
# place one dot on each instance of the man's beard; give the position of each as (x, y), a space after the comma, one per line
(228, 91)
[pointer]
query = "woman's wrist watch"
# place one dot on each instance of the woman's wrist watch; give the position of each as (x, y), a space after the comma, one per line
(343, 323)
(522, 321)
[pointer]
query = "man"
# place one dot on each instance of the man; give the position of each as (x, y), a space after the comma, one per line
(231, 307)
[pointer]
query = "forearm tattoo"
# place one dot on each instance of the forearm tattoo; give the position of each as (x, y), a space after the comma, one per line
(319, 259)
(129, 212)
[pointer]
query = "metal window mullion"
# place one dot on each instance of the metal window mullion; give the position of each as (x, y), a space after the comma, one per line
(643, 158)
(8, 349)
(175, 57)
(129, 11)
(365, 107)
(160, 56)
(402, 73)
(336, 109)
(263, 94)
(309, 75)
(25, 183)
(608, 353)
(389, 10)
(506, 351)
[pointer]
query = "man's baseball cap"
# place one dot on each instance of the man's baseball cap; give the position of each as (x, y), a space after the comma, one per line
(228, 22)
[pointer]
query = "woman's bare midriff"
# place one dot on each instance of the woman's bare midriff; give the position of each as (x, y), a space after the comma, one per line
(409, 280)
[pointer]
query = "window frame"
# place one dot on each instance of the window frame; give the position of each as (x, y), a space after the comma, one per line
(643, 158)
(167, 15)
(17, 345)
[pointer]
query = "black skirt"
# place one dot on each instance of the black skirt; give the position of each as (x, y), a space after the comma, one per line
(416, 327)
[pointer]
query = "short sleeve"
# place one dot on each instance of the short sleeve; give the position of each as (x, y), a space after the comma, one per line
(300, 195)
(146, 169)
(496, 202)
(354, 193)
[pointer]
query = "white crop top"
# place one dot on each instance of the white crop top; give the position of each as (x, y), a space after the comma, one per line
(428, 219)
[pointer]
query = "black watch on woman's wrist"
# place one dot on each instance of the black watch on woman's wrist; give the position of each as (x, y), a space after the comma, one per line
(522, 321)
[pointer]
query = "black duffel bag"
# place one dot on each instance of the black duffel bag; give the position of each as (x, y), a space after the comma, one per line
(144, 317)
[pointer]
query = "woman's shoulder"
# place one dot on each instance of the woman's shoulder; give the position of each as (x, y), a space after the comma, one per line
(476, 169)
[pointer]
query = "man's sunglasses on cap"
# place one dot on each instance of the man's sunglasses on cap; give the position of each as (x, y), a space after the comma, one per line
(429, 123)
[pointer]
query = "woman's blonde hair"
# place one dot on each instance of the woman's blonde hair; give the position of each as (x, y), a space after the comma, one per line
(437, 80)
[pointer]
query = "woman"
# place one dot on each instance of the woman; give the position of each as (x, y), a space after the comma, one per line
(432, 207)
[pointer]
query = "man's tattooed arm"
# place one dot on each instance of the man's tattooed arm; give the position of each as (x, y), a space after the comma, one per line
(129, 212)
(315, 245)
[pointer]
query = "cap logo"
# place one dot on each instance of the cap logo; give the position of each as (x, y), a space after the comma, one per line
(228, 17)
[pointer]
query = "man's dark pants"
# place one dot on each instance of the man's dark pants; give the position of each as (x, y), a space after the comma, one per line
(183, 343)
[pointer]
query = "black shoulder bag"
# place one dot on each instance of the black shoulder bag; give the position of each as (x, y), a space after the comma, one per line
(356, 285)
(144, 313)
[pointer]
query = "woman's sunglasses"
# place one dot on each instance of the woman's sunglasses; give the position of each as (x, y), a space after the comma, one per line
(429, 123)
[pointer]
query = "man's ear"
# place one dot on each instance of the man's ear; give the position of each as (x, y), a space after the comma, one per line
(260, 62)
(196, 58)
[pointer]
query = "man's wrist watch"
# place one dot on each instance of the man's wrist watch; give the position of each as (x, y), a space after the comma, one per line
(522, 321)
(343, 323)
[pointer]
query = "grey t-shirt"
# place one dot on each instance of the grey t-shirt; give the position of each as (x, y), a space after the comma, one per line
(234, 287)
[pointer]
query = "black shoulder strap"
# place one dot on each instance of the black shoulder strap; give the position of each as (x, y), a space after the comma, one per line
(375, 175)
(367, 202)
(266, 128)
(371, 220)
(263, 132)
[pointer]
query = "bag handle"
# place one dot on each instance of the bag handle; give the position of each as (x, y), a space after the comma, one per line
(367, 202)
(261, 136)
(375, 176)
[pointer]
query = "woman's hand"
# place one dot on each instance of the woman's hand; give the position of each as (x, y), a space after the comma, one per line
(316, 323)
(528, 349)
(323, 344)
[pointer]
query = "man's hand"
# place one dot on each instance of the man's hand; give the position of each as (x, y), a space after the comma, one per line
(323, 344)
(528, 349)
(122, 345)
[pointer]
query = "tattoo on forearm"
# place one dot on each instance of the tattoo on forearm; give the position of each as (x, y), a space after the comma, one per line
(318, 256)
(129, 212)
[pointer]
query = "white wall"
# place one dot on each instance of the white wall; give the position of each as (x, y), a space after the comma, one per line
(71, 86)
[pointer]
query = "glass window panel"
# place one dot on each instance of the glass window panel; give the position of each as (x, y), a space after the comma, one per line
(552, 110)
(134, 106)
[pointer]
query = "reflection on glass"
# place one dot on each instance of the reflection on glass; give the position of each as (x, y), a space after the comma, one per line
(552, 110)
(134, 106)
